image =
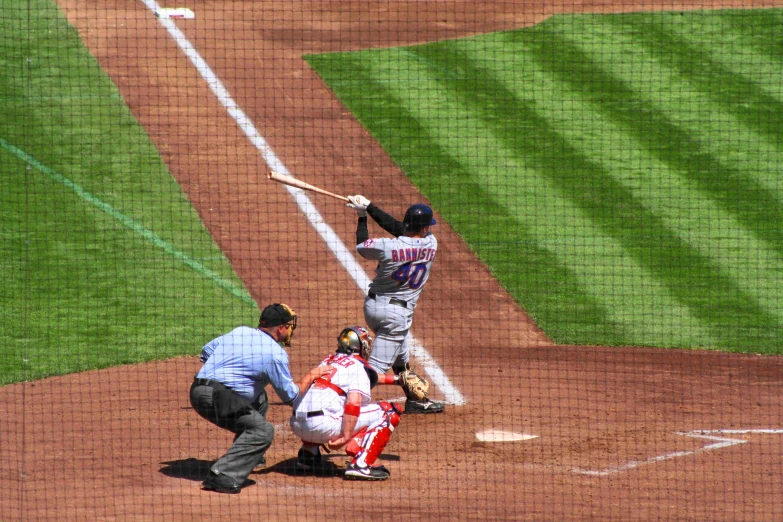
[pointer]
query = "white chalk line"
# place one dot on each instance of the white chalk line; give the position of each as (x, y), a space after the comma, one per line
(131, 223)
(713, 435)
(332, 240)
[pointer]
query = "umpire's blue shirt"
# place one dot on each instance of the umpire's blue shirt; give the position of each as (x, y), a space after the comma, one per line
(246, 360)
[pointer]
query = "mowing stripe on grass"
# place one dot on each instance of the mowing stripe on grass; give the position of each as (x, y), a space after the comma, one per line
(733, 46)
(130, 223)
(739, 252)
(719, 133)
(667, 141)
(724, 87)
(644, 145)
(558, 301)
(700, 221)
(758, 29)
(595, 260)
(614, 208)
(505, 237)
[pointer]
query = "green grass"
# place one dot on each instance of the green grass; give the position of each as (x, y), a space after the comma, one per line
(618, 174)
(104, 260)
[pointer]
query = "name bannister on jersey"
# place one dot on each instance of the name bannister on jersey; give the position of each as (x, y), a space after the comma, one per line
(413, 254)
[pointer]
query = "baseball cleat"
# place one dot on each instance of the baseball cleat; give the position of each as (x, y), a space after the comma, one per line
(354, 472)
(424, 406)
(220, 483)
(307, 461)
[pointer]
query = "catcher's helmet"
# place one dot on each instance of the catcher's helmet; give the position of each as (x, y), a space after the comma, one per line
(418, 216)
(355, 340)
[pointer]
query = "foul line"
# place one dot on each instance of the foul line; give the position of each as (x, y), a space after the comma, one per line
(332, 240)
(129, 223)
(712, 435)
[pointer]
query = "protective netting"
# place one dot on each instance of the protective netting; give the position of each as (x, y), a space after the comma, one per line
(600, 315)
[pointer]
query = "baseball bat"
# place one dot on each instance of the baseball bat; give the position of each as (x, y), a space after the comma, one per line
(288, 180)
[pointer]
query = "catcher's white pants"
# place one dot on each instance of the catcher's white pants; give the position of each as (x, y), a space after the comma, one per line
(323, 428)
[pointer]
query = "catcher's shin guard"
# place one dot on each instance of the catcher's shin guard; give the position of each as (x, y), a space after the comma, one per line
(354, 446)
(375, 437)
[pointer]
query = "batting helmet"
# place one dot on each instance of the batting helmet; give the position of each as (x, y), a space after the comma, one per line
(418, 216)
(354, 340)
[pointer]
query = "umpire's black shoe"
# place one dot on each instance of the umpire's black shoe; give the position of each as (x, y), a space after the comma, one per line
(220, 483)
(423, 406)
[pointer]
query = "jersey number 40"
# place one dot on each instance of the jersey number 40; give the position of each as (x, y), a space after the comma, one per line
(411, 273)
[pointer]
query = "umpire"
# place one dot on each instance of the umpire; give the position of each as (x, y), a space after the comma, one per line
(229, 391)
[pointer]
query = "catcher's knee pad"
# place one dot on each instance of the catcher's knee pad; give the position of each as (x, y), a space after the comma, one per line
(392, 412)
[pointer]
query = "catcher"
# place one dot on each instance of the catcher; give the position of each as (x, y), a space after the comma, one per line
(336, 412)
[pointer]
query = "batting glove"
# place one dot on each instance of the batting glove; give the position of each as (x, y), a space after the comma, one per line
(359, 204)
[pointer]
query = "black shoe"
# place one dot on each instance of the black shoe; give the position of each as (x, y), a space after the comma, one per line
(354, 472)
(307, 461)
(220, 483)
(423, 406)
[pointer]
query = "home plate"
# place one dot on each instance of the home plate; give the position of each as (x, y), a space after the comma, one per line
(502, 436)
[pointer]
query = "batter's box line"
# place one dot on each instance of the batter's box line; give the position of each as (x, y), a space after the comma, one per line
(713, 435)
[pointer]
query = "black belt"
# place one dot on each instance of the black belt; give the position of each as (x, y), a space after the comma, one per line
(204, 382)
(316, 413)
(393, 300)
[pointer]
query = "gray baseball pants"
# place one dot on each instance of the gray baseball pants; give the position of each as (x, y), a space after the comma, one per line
(253, 433)
(390, 323)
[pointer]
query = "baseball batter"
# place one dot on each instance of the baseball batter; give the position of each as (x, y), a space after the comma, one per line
(336, 411)
(404, 266)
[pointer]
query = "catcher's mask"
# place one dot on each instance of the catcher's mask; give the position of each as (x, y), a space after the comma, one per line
(355, 340)
(277, 314)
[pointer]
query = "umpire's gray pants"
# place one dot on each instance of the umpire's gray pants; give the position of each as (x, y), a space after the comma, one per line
(254, 434)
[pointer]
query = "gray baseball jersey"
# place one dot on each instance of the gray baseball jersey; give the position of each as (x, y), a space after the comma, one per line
(404, 265)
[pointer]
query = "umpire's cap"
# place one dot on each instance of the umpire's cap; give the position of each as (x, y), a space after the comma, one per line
(418, 216)
(275, 315)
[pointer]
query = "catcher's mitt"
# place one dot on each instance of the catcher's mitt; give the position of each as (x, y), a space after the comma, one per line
(414, 386)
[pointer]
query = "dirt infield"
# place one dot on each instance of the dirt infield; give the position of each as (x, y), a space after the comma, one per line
(622, 434)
